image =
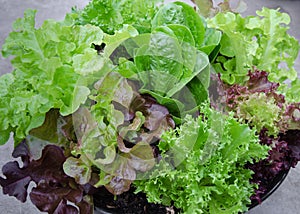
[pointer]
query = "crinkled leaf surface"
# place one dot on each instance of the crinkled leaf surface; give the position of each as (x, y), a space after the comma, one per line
(49, 71)
(260, 41)
(217, 182)
(293, 143)
(207, 8)
(115, 13)
(283, 155)
(115, 134)
(260, 103)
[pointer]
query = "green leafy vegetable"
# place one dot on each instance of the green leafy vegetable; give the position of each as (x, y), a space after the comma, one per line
(121, 89)
(111, 15)
(115, 135)
(260, 111)
(255, 41)
(183, 14)
(52, 65)
(259, 103)
(292, 92)
(209, 154)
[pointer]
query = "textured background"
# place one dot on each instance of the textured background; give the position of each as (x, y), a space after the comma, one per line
(286, 200)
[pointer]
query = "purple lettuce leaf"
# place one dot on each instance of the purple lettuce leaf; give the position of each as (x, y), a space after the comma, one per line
(16, 182)
(292, 138)
(157, 118)
(53, 187)
(116, 135)
(258, 82)
(144, 125)
(266, 170)
(259, 103)
(285, 153)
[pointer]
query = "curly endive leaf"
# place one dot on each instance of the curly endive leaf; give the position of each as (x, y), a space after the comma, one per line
(197, 185)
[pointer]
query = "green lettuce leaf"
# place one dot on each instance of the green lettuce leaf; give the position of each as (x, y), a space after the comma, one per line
(111, 15)
(182, 14)
(202, 167)
(255, 41)
(53, 67)
(292, 91)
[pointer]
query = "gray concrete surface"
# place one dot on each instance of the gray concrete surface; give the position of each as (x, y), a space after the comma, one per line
(286, 200)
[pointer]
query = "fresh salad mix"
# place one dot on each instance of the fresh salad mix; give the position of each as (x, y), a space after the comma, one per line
(198, 107)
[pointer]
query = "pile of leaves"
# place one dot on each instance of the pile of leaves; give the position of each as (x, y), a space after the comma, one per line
(202, 167)
(127, 96)
(259, 104)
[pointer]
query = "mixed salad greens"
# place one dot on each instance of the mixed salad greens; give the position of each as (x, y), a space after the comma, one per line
(197, 109)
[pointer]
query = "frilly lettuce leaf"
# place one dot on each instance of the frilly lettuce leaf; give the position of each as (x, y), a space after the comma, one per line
(259, 103)
(111, 15)
(204, 159)
(53, 65)
(292, 91)
(284, 154)
(260, 111)
(255, 41)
